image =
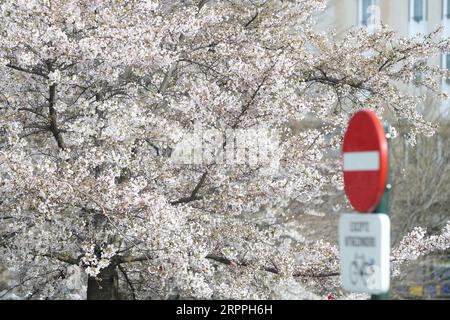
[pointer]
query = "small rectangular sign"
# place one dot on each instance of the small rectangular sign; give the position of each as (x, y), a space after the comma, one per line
(362, 161)
(364, 241)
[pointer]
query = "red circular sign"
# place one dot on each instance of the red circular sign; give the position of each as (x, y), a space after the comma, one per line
(365, 161)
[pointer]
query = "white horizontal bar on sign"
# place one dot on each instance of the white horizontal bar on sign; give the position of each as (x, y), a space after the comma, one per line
(362, 161)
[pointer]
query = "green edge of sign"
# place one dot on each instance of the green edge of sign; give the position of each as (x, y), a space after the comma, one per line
(383, 205)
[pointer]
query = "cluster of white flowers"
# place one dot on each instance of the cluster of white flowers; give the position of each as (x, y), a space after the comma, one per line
(54, 77)
(91, 109)
(94, 262)
(417, 244)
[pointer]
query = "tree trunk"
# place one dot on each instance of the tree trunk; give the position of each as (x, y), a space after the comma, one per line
(105, 286)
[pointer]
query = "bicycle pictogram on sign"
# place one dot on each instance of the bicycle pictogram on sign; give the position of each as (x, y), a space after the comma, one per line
(362, 271)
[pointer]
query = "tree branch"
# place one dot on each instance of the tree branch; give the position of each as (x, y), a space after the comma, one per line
(251, 20)
(201, 4)
(251, 100)
(63, 257)
(193, 196)
(129, 259)
(228, 262)
(133, 291)
(26, 280)
(164, 84)
(53, 118)
(273, 270)
(35, 72)
(32, 111)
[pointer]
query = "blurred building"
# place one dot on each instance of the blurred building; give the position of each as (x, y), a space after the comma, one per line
(407, 17)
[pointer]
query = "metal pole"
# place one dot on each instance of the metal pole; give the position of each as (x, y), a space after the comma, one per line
(384, 204)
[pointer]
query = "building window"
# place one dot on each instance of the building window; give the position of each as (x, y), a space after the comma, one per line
(446, 64)
(418, 10)
(446, 9)
(446, 61)
(445, 106)
(364, 11)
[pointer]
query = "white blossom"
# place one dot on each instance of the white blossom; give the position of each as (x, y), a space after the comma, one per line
(94, 96)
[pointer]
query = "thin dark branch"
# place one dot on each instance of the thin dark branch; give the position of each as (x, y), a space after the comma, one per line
(228, 262)
(130, 284)
(26, 280)
(251, 20)
(251, 100)
(154, 146)
(33, 133)
(32, 111)
(201, 4)
(63, 257)
(193, 196)
(273, 270)
(54, 118)
(129, 259)
(35, 72)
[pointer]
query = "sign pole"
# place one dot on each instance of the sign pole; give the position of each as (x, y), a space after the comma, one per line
(364, 237)
(383, 205)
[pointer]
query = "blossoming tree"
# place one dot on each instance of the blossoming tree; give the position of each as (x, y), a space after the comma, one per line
(94, 97)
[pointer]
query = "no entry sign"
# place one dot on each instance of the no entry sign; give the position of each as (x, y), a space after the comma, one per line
(365, 157)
